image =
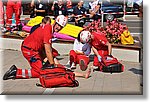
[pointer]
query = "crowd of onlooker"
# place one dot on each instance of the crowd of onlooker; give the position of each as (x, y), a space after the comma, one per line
(58, 7)
(61, 7)
(79, 13)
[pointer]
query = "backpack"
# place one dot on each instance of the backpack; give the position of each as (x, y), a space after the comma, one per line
(110, 64)
(126, 38)
(57, 77)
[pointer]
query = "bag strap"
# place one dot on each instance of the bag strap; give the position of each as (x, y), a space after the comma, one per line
(76, 83)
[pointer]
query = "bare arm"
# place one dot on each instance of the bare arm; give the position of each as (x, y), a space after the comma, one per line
(93, 12)
(32, 3)
(79, 52)
(95, 51)
(39, 10)
(97, 8)
(53, 6)
(48, 51)
(109, 48)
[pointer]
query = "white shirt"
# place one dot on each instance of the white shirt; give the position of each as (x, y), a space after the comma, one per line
(85, 48)
(93, 5)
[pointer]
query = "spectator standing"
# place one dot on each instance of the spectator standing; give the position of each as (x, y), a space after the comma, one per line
(13, 6)
(1, 13)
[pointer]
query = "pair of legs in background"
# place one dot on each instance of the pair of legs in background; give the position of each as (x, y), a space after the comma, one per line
(1, 13)
(13, 7)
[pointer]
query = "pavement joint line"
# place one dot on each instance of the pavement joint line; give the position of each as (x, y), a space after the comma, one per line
(48, 91)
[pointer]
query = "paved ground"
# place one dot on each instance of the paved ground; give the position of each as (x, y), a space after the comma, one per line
(127, 82)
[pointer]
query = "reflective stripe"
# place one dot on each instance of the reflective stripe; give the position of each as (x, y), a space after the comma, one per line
(23, 73)
(29, 73)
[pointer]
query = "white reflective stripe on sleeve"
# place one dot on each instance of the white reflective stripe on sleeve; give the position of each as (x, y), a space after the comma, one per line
(29, 73)
(23, 73)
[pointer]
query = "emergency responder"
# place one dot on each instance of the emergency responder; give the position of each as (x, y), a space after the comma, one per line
(100, 46)
(33, 47)
(1, 13)
(13, 6)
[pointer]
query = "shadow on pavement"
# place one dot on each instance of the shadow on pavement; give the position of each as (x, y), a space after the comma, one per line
(136, 71)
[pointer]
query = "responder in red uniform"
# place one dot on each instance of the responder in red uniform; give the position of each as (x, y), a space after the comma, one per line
(1, 13)
(100, 45)
(13, 6)
(33, 47)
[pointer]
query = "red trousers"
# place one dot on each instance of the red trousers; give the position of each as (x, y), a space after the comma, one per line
(74, 57)
(1, 13)
(13, 7)
(101, 53)
(36, 66)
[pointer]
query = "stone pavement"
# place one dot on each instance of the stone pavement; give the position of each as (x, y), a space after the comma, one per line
(127, 82)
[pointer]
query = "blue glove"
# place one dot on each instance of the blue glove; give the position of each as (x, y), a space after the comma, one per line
(99, 58)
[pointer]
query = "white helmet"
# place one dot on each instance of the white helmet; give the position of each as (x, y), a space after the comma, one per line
(85, 36)
(61, 20)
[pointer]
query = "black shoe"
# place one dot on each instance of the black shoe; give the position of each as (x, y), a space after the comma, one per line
(11, 73)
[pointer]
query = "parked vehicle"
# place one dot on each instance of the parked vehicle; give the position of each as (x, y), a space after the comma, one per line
(109, 8)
